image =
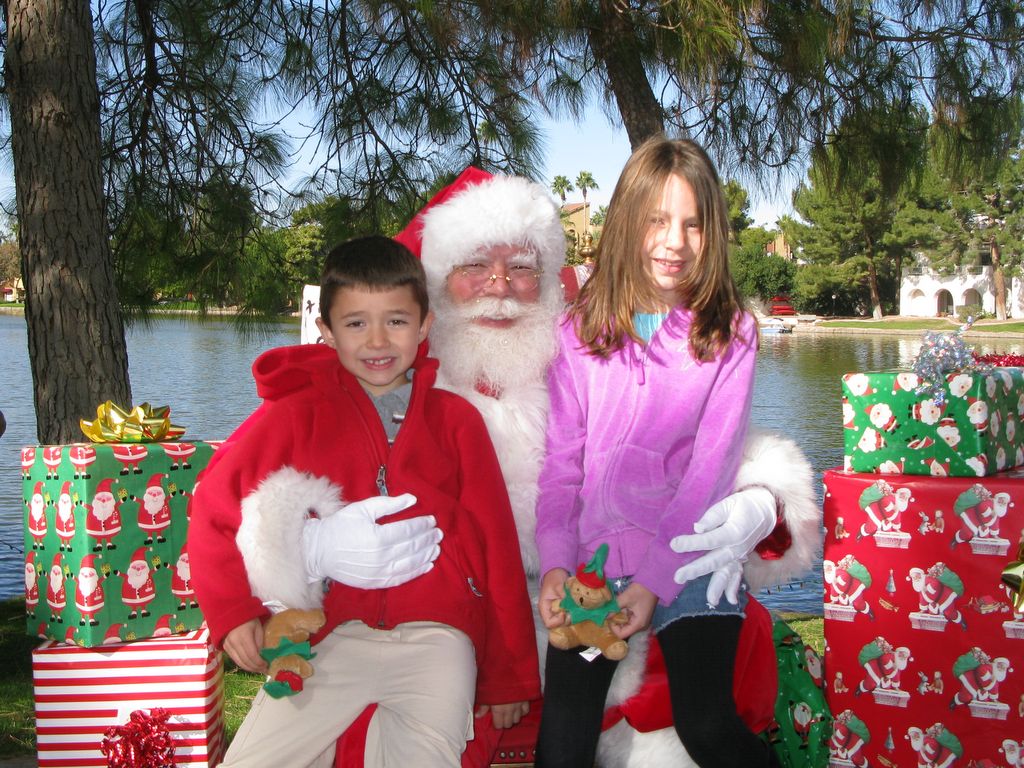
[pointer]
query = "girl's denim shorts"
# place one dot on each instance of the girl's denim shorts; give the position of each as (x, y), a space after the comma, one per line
(691, 601)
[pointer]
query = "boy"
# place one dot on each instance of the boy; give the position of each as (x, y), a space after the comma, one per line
(422, 650)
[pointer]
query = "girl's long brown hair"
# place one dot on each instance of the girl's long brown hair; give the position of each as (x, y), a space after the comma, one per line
(621, 283)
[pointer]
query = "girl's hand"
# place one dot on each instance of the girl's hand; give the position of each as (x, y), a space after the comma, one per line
(505, 715)
(638, 602)
(243, 644)
(552, 590)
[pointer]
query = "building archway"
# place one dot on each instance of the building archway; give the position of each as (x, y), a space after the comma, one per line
(943, 303)
(917, 303)
(972, 297)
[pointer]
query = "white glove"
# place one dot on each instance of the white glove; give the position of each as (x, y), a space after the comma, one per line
(351, 548)
(727, 533)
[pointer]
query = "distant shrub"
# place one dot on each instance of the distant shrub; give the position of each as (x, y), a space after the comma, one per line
(971, 310)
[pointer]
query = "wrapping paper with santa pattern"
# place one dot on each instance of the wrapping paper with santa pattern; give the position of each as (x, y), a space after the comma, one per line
(80, 692)
(975, 431)
(924, 652)
(105, 528)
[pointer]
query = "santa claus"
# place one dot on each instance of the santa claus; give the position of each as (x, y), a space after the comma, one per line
(31, 585)
(495, 341)
(154, 510)
(56, 597)
(103, 518)
(88, 591)
(64, 523)
(181, 582)
(36, 523)
(138, 590)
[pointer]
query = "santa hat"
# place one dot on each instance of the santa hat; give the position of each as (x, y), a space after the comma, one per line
(56, 561)
(30, 559)
(478, 210)
(66, 488)
(104, 486)
(89, 561)
(113, 634)
(163, 626)
(591, 573)
(156, 481)
(139, 556)
(38, 489)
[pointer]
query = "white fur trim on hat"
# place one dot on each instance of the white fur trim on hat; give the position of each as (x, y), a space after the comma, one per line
(505, 209)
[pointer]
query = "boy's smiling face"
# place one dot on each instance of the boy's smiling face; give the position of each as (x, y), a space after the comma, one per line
(376, 334)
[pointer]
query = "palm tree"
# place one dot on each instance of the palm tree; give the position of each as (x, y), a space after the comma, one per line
(585, 181)
(561, 186)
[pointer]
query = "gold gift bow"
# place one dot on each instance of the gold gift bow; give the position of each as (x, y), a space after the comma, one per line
(142, 424)
(1013, 577)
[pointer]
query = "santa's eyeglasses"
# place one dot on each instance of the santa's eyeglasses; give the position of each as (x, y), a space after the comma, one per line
(479, 275)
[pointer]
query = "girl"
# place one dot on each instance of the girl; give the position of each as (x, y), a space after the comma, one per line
(650, 399)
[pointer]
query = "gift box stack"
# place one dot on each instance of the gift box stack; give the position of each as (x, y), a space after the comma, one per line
(108, 586)
(924, 613)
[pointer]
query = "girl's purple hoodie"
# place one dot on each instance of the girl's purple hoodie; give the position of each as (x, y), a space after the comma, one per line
(639, 446)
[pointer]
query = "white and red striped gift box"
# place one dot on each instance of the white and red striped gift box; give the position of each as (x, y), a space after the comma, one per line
(80, 692)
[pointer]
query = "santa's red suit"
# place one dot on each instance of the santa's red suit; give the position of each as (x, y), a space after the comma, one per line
(88, 591)
(37, 517)
(103, 518)
(181, 581)
(64, 522)
(56, 597)
(31, 584)
(137, 589)
(846, 589)
(846, 744)
(939, 599)
(880, 673)
(154, 511)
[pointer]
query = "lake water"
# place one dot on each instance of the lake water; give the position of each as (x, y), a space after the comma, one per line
(202, 370)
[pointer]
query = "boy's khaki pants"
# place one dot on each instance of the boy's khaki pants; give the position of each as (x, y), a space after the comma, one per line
(422, 675)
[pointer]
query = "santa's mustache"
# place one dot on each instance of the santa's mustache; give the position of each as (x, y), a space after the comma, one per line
(492, 308)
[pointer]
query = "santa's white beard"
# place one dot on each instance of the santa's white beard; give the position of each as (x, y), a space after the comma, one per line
(506, 358)
(30, 577)
(103, 508)
(137, 577)
(56, 578)
(64, 509)
(153, 504)
(184, 572)
(87, 582)
(38, 508)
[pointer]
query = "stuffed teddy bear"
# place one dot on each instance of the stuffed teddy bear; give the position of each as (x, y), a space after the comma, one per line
(592, 610)
(286, 649)
(270, 540)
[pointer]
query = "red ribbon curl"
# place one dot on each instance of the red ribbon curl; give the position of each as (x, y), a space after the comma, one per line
(143, 742)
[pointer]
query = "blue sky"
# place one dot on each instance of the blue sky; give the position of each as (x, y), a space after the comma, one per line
(597, 147)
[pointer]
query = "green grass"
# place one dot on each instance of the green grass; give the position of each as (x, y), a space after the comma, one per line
(17, 713)
(925, 324)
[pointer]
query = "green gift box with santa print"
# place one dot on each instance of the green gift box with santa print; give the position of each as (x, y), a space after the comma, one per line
(105, 529)
(967, 425)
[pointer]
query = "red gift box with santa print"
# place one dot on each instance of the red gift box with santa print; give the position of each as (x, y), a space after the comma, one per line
(924, 643)
(81, 692)
(105, 531)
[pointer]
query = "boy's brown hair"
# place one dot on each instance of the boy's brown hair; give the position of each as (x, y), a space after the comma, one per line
(376, 263)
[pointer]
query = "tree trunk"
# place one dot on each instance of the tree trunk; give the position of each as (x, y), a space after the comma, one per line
(614, 43)
(875, 294)
(998, 280)
(75, 328)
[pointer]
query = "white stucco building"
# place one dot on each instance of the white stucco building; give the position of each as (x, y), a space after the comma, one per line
(926, 293)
